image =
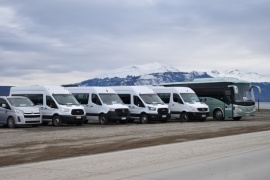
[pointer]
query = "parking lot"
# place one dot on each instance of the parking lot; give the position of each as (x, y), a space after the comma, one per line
(28, 144)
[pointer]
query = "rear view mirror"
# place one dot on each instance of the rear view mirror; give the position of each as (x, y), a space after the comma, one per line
(4, 105)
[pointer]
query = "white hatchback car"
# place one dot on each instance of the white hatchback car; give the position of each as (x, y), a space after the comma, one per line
(16, 110)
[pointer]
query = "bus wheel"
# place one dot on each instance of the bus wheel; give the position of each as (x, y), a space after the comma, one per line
(11, 122)
(184, 117)
(218, 115)
(144, 119)
(56, 121)
(237, 118)
(103, 119)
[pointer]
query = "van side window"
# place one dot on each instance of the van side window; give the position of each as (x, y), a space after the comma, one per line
(3, 101)
(95, 99)
(125, 98)
(50, 102)
(176, 98)
(137, 101)
(165, 97)
(37, 99)
(82, 98)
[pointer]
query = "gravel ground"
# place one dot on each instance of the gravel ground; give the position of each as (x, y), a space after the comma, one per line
(27, 144)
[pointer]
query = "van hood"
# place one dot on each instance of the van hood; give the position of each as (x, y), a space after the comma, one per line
(118, 106)
(29, 109)
(198, 105)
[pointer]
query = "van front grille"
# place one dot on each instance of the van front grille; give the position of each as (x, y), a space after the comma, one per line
(77, 112)
(202, 109)
(163, 111)
(122, 112)
(31, 116)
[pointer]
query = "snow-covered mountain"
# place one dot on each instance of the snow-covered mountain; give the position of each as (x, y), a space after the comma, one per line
(248, 76)
(138, 70)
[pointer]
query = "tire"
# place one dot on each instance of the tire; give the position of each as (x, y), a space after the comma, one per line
(184, 117)
(85, 122)
(237, 118)
(11, 122)
(218, 115)
(164, 120)
(103, 119)
(144, 119)
(56, 121)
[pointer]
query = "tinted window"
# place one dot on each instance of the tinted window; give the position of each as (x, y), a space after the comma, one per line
(95, 99)
(176, 98)
(138, 101)
(165, 97)
(50, 102)
(82, 97)
(125, 98)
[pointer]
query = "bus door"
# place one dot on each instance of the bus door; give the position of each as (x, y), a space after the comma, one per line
(228, 106)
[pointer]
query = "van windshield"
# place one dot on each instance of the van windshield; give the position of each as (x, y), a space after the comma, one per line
(190, 97)
(20, 102)
(151, 99)
(110, 99)
(65, 99)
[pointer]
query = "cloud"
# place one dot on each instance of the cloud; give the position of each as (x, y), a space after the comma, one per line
(65, 36)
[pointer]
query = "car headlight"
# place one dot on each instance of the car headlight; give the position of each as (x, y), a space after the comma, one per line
(19, 111)
(151, 108)
(111, 109)
(65, 110)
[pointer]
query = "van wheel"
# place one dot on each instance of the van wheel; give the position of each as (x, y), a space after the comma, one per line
(184, 117)
(103, 119)
(56, 121)
(144, 119)
(11, 122)
(218, 115)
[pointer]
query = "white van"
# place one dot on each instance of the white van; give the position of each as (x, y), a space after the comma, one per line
(183, 103)
(57, 104)
(16, 111)
(101, 104)
(144, 104)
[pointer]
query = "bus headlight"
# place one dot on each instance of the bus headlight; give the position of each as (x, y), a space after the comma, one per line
(151, 108)
(238, 110)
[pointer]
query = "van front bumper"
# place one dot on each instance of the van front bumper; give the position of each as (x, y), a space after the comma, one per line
(73, 119)
(114, 117)
(198, 115)
(158, 117)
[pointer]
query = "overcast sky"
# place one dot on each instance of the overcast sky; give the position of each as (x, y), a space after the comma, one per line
(54, 42)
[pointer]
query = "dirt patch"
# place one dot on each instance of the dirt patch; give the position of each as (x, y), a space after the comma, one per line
(27, 144)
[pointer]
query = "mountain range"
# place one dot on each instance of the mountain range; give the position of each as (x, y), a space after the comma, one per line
(156, 73)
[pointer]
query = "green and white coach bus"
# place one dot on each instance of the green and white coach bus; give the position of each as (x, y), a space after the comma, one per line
(226, 97)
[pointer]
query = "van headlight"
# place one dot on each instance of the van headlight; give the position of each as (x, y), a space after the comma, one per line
(19, 111)
(151, 108)
(111, 109)
(65, 110)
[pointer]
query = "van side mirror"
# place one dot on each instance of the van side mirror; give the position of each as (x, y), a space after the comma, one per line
(4, 105)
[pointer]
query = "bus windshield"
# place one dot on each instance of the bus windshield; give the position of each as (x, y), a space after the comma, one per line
(151, 99)
(190, 97)
(110, 99)
(244, 93)
(65, 99)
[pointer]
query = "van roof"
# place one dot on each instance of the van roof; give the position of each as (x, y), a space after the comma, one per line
(173, 89)
(92, 89)
(137, 89)
(50, 89)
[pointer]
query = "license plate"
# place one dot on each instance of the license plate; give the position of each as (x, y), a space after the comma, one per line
(123, 118)
(164, 116)
(78, 117)
(203, 115)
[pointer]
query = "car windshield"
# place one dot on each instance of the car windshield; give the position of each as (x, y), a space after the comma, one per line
(20, 102)
(65, 99)
(151, 99)
(244, 93)
(190, 97)
(110, 99)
